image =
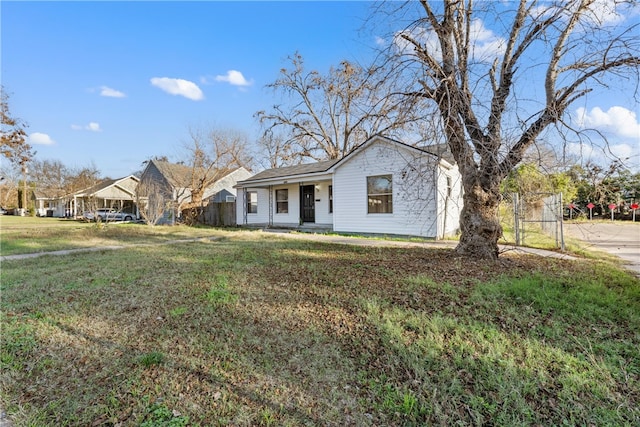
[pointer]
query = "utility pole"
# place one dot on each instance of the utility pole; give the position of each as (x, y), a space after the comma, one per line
(24, 189)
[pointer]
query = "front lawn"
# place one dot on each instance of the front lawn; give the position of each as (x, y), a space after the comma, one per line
(253, 329)
(23, 235)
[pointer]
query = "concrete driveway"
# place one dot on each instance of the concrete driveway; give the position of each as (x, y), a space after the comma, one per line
(621, 239)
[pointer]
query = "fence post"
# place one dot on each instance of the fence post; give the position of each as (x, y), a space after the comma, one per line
(516, 223)
(561, 220)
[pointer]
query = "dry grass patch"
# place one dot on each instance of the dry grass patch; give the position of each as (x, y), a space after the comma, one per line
(254, 330)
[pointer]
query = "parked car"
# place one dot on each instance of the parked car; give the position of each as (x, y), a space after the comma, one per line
(106, 214)
(3, 211)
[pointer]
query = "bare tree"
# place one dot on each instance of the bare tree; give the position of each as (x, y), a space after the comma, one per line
(153, 201)
(484, 85)
(79, 178)
(211, 155)
(331, 114)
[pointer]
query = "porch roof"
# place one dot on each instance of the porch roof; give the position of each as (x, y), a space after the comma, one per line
(298, 171)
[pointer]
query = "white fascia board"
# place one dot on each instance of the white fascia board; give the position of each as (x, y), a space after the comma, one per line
(310, 177)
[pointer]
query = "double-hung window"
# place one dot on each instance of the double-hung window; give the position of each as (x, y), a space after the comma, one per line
(252, 202)
(282, 201)
(380, 194)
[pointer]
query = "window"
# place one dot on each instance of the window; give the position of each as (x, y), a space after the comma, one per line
(380, 194)
(282, 201)
(252, 202)
(331, 199)
(449, 186)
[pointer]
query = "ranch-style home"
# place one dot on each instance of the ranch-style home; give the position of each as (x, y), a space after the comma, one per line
(381, 187)
(108, 193)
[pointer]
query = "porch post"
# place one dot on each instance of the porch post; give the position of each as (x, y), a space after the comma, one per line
(271, 203)
(244, 205)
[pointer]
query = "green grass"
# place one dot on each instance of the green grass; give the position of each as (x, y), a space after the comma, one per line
(21, 235)
(253, 329)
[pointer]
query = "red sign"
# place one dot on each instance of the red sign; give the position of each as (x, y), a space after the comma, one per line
(591, 206)
(634, 206)
(572, 206)
(612, 206)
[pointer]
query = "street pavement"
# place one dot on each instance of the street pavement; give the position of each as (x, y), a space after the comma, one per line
(618, 238)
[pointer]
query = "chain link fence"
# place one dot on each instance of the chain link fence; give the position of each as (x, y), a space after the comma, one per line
(525, 217)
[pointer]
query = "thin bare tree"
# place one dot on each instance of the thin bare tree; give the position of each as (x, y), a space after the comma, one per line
(210, 155)
(153, 201)
(326, 116)
(496, 90)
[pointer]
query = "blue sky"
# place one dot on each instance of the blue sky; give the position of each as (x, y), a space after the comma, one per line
(89, 77)
(115, 83)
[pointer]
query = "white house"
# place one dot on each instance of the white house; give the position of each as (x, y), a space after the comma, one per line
(108, 193)
(381, 187)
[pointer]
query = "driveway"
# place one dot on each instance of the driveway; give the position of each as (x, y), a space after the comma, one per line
(621, 239)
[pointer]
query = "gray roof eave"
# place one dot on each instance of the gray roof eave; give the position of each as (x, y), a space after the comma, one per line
(324, 175)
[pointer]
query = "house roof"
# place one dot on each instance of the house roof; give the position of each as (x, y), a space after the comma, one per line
(440, 151)
(179, 175)
(106, 183)
(304, 169)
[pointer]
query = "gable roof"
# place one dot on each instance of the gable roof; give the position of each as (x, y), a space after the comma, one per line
(106, 183)
(440, 151)
(180, 175)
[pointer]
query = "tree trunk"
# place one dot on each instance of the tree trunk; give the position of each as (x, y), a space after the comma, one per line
(479, 223)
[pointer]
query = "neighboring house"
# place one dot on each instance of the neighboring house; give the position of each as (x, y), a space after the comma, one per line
(166, 186)
(381, 187)
(109, 193)
(118, 193)
(49, 203)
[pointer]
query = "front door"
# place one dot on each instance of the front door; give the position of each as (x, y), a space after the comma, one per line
(308, 205)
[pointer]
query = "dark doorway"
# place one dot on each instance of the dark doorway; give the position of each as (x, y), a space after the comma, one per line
(307, 203)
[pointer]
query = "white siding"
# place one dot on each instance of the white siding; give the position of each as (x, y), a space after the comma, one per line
(322, 203)
(293, 216)
(449, 205)
(260, 218)
(414, 201)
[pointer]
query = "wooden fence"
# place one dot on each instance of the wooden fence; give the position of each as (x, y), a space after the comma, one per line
(221, 214)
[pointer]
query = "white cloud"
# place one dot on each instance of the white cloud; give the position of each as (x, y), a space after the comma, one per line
(601, 12)
(234, 78)
(39, 138)
(111, 93)
(606, 12)
(380, 41)
(485, 44)
(92, 126)
(178, 87)
(616, 120)
(628, 153)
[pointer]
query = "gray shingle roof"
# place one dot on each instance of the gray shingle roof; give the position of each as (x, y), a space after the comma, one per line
(438, 150)
(303, 169)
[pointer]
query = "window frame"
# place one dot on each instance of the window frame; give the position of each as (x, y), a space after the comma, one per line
(330, 198)
(251, 203)
(282, 205)
(384, 199)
